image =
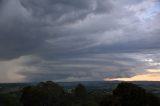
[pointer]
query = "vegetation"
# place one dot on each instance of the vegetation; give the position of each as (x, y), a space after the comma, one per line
(51, 94)
(44, 94)
(10, 99)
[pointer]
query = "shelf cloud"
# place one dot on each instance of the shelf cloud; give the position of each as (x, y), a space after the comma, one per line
(72, 40)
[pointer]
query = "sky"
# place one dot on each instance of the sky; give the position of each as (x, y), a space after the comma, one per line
(79, 40)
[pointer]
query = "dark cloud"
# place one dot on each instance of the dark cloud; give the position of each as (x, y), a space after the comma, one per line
(77, 39)
(64, 11)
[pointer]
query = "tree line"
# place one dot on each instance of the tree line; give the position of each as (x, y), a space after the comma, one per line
(51, 94)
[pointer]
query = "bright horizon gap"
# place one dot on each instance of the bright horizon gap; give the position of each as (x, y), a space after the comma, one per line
(143, 77)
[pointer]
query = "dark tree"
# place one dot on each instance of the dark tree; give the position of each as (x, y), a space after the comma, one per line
(80, 91)
(110, 100)
(130, 94)
(152, 100)
(44, 94)
(51, 94)
(68, 99)
(9, 99)
(80, 96)
(90, 103)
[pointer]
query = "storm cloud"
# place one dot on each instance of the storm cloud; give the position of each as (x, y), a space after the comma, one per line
(72, 40)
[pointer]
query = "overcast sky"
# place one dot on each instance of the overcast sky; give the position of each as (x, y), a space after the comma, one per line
(79, 40)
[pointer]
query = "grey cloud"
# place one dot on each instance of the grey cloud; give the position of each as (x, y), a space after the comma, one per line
(18, 35)
(64, 11)
(27, 24)
(95, 67)
(76, 39)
